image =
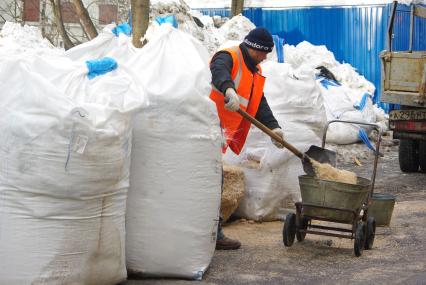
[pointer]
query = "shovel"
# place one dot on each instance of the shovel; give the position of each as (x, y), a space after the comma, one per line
(319, 154)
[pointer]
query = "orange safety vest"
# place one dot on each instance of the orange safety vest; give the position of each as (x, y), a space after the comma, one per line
(249, 87)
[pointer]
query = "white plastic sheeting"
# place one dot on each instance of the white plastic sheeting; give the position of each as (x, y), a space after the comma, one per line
(176, 174)
(64, 160)
(271, 174)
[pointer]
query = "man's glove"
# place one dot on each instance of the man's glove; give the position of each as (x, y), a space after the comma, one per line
(232, 103)
(280, 133)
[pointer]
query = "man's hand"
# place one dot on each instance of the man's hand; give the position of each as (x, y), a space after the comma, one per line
(232, 103)
(280, 133)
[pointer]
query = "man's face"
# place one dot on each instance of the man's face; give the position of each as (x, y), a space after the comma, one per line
(257, 56)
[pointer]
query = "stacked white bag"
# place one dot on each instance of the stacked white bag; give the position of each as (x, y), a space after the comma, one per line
(272, 185)
(64, 171)
(176, 160)
(176, 168)
(339, 99)
(340, 102)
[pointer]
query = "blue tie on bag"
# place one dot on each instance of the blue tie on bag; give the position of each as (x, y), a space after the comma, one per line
(325, 82)
(362, 134)
(361, 105)
(171, 19)
(100, 66)
(279, 43)
(123, 28)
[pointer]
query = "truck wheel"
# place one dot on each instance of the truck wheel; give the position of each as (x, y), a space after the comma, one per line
(408, 155)
(422, 156)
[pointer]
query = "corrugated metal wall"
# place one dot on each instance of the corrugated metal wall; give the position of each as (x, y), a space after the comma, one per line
(402, 30)
(355, 34)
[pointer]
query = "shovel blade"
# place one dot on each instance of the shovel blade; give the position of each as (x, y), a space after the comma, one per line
(319, 154)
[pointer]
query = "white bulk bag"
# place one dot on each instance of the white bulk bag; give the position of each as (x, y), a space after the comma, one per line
(64, 172)
(110, 43)
(176, 168)
(339, 103)
(272, 184)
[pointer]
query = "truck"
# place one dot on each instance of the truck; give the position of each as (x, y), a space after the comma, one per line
(403, 82)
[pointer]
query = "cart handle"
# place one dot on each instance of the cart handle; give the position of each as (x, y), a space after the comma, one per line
(376, 154)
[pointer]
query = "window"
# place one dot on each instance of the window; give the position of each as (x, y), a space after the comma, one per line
(107, 13)
(32, 10)
(68, 13)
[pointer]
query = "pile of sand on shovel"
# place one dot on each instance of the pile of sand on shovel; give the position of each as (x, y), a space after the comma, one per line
(325, 171)
(233, 190)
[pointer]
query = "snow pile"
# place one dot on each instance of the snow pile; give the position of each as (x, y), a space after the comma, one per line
(215, 21)
(211, 36)
(16, 38)
(208, 34)
(236, 28)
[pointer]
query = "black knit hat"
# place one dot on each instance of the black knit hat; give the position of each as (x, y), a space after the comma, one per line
(259, 39)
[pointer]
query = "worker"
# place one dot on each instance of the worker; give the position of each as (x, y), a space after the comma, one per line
(237, 82)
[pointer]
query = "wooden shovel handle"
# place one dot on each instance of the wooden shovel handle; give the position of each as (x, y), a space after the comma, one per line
(270, 133)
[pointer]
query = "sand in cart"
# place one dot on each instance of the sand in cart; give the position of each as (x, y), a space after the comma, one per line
(325, 171)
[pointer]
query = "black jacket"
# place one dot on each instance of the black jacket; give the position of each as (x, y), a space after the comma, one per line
(221, 66)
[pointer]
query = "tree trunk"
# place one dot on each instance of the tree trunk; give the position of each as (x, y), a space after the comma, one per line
(21, 12)
(140, 20)
(237, 7)
(44, 21)
(85, 20)
(56, 6)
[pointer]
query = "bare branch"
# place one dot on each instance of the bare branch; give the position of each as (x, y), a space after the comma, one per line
(56, 5)
(85, 21)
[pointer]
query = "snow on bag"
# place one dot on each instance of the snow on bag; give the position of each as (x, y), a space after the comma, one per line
(64, 172)
(176, 168)
(271, 174)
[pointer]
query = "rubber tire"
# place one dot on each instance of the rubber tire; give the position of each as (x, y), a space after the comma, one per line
(301, 236)
(359, 242)
(422, 156)
(371, 233)
(408, 155)
(289, 230)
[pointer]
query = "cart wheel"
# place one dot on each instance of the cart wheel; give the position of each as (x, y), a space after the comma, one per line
(371, 233)
(304, 225)
(359, 242)
(289, 230)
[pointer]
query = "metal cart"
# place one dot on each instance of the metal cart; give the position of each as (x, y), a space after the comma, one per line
(335, 202)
